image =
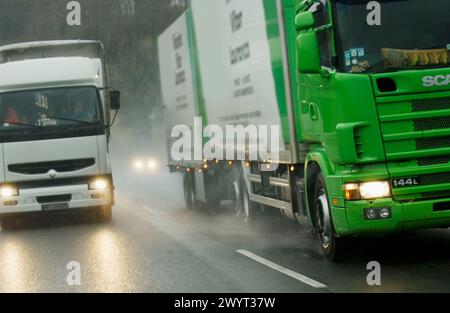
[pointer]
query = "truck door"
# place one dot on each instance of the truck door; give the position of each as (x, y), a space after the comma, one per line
(313, 89)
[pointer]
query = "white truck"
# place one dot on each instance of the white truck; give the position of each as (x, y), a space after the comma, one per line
(55, 120)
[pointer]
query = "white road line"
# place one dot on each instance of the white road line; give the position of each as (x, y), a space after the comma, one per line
(306, 280)
(154, 211)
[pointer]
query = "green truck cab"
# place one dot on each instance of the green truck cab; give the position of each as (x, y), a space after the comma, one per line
(376, 112)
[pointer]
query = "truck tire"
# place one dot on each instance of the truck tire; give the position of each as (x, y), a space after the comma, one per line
(189, 191)
(104, 214)
(7, 222)
(331, 245)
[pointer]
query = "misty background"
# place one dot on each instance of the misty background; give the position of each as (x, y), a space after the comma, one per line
(129, 30)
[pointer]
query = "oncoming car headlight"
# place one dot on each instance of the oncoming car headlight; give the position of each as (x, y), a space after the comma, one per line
(152, 164)
(145, 165)
(99, 184)
(138, 165)
(8, 191)
(367, 191)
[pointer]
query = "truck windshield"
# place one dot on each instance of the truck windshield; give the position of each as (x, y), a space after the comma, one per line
(49, 108)
(412, 34)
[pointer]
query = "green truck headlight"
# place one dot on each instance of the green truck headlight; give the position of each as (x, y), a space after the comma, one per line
(367, 191)
(375, 190)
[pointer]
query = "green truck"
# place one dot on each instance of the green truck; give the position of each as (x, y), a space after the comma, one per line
(361, 94)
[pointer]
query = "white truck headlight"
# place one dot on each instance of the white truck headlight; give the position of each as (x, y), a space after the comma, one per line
(367, 191)
(99, 184)
(8, 191)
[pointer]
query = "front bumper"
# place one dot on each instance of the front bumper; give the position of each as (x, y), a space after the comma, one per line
(78, 196)
(405, 216)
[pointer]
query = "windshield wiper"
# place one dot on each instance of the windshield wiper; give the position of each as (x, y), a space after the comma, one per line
(69, 120)
(19, 124)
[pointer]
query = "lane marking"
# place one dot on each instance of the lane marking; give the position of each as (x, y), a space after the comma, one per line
(154, 211)
(139, 206)
(306, 280)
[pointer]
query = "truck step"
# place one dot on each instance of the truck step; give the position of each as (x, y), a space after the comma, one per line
(279, 182)
(286, 206)
(253, 178)
(273, 181)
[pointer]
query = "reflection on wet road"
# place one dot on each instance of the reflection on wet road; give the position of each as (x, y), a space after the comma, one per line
(153, 244)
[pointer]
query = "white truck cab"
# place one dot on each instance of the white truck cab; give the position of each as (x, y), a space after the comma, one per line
(55, 128)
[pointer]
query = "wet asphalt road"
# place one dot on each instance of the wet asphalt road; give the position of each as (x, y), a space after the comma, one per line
(154, 244)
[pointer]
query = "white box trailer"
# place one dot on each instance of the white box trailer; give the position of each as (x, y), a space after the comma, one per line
(227, 63)
(229, 70)
(236, 64)
(177, 80)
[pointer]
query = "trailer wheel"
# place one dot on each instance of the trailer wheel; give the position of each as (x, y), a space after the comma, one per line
(331, 245)
(189, 191)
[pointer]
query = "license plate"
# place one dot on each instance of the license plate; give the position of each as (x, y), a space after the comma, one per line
(55, 206)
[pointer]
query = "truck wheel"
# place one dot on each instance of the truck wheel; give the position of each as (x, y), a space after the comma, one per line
(331, 244)
(104, 214)
(189, 192)
(7, 222)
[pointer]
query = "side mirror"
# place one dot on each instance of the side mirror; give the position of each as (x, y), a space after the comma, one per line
(308, 53)
(304, 21)
(114, 98)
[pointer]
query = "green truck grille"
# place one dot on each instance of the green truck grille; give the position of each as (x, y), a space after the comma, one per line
(431, 123)
(433, 161)
(435, 195)
(431, 179)
(434, 104)
(432, 143)
(416, 136)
